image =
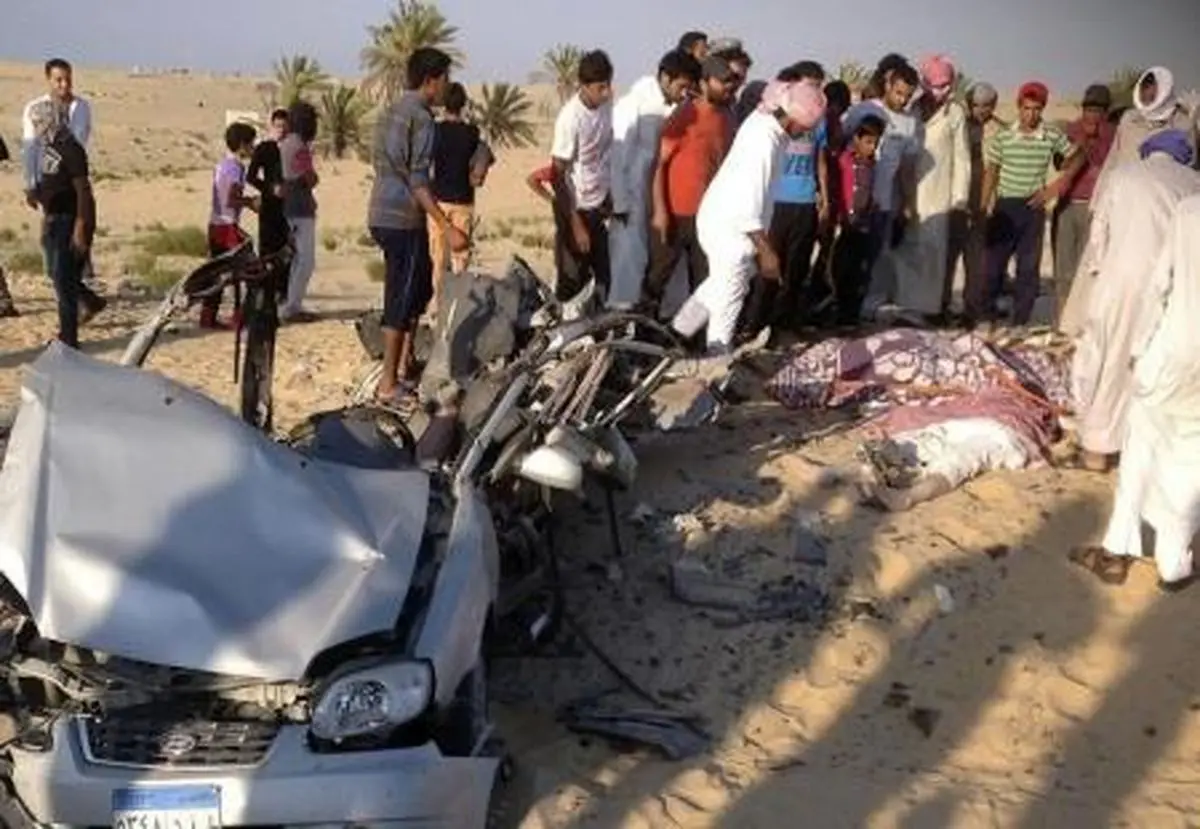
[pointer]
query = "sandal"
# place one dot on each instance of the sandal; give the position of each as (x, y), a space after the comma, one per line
(1176, 586)
(1104, 565)
(1085, 462)
(402, 398)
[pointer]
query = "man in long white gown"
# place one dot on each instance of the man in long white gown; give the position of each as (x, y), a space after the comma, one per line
(1128, 231)
(943, 187)
(735, 213)
(637, 127)
(1160, 469)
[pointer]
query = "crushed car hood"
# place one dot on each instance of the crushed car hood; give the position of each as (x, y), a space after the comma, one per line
(142, 519)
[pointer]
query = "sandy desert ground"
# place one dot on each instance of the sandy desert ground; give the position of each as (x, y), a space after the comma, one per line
(1039, 699)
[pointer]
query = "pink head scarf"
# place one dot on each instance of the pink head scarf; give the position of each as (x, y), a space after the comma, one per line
(804, 102)
(937, 76)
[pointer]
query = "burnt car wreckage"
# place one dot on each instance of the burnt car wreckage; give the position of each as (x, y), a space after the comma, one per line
(202, 625)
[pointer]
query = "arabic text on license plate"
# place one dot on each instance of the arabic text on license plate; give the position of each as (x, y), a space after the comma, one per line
(167, 807)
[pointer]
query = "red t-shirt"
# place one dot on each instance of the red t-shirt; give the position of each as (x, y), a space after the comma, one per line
(694, 142)
(1084, 184)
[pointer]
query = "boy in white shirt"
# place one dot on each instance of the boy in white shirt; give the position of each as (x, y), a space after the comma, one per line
(583, 137)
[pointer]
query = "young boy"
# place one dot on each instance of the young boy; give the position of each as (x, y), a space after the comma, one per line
(224, 234)
(300, 206)
(583, 138)
(856, 248)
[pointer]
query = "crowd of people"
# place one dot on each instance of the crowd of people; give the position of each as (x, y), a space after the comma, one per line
(782, 204)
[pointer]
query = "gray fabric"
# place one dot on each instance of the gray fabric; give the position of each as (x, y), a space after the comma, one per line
(479, 319)
(403, 158)
(1071, 228)
(298, 199)
(141, 519)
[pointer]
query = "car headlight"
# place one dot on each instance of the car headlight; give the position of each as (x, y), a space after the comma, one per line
(372, 700)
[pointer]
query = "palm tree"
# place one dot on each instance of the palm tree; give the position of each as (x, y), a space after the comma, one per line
(502, 114)
(296, 76)
(562, 65)
(1122, 85)
(413, 24)
(853, 74)
(343, 122)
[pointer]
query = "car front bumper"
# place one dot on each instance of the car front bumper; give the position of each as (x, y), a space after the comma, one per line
(416, 787)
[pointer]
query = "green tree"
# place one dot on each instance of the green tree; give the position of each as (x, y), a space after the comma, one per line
(1122, 85)
(296, 77)
(412, 25)
(853, 74)
(502, 114)
(344, 127)
(561, 64)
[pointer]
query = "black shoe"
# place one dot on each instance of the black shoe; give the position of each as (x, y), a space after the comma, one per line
(91, 308)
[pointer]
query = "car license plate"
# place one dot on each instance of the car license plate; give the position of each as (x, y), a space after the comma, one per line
(167, 807)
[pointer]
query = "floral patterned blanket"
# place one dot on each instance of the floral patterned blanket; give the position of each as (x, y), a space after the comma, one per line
(924, 377)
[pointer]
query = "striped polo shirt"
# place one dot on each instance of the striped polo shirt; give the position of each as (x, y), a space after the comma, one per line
(1024, 158)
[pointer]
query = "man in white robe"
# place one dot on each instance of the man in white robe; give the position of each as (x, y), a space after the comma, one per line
(1128, 231)
(1160, 469)
(943, 171)
(735, 213)
(637, 126)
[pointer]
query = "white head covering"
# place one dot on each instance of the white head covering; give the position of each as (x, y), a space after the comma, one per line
(1163, 106)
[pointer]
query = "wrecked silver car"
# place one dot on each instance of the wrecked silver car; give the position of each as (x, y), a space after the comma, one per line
(203, 626)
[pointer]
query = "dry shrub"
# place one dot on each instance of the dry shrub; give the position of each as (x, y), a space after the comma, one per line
(376, 270)
(25, 260)
(175, 241)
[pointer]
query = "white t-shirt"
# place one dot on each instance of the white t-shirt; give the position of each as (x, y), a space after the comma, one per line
(738, 202)
(583, 137)
(902, 139)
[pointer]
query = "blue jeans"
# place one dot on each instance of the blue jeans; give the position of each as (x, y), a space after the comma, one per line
(65, 267)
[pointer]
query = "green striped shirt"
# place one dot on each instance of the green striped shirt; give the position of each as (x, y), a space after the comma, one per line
(1024, 158)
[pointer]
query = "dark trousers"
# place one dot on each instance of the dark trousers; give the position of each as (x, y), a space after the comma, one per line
(574, 267)
(854, 254)
(273, 233)
(793, 236)
(664, 256)
(1014, 229)
(65, 267)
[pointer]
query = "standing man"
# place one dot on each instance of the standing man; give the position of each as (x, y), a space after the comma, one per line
(735, 214)
(943, 172)
(65, 195)
(1018, 163)
(60, 80)
(582, 149)
(801, 209)
(401, 205)
(1156, 108)
(895, 196)
(300, 206)
(1159, 482)
(637, 126)
(968, 230)
(461, 160)
(695, 44)
(1073, 213)
(1130, 222)
(695, 140)
(265, 175)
